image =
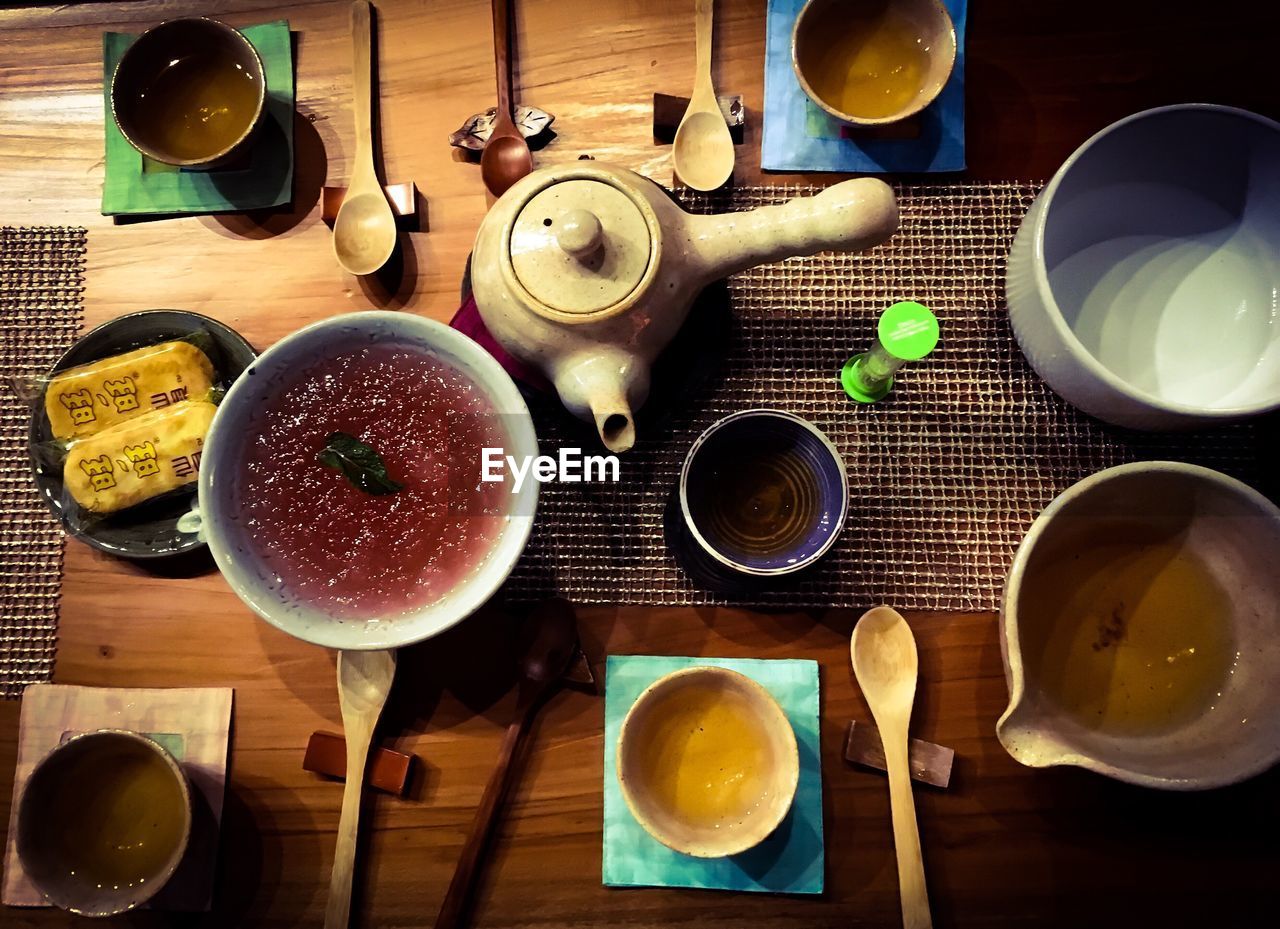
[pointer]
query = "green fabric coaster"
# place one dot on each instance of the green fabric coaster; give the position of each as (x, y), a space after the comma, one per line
(789, 861)
(135, 184)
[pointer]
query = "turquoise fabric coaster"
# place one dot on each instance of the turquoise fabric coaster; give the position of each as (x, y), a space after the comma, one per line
(789, 861)
(138, 185)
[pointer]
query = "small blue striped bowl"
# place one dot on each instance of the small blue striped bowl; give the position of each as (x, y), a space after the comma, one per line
(764, 492)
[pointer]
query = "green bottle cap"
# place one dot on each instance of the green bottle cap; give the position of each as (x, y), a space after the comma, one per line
(907, 331)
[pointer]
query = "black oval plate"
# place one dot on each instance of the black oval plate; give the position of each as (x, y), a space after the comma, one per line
(149, 530)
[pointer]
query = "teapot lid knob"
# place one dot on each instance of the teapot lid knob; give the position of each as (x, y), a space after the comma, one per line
(580, 233)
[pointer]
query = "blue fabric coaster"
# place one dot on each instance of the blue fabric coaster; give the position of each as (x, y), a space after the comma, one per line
(789, 861)
(800, 136)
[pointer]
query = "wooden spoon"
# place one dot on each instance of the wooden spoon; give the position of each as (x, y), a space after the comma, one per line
(886, 666)
(364, 680)
(703, 150)
(506, 156)
(552, 641)
(364, 231)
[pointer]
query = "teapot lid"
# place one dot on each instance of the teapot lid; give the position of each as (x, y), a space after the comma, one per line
(580, 246)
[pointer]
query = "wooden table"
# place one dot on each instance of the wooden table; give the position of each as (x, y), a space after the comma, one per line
(1004, 847)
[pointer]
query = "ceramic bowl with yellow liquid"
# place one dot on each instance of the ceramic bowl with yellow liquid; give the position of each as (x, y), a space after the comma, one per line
(1140, 628)
(189, 92)
(707, 762)
(873, 62)
(103, 822)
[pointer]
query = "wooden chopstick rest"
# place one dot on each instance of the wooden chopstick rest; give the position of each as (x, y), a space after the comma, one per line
(403, 199)
(669, 110)
(389, 770)
(929, 763)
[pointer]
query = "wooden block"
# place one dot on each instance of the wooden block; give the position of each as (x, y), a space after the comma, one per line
(930, 764)
(669, 110)
(389, 771)
(403, 199)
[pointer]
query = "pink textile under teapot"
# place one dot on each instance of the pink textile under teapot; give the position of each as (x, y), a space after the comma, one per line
(586, 271)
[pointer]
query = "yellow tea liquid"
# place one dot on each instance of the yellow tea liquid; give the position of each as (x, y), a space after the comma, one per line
(198, 105)
(867, 60)
(706, 756)
(117, 820)
(1128, 631)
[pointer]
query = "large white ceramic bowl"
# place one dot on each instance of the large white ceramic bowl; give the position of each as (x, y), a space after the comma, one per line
(1233, 531)
(223, 448)
(1142, 283)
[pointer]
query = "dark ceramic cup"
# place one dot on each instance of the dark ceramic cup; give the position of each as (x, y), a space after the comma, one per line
(764, 493)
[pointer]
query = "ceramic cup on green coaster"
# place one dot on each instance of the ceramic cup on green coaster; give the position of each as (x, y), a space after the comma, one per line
(189, 92)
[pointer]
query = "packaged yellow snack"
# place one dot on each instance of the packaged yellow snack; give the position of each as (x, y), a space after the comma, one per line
(87, 399)
(135, 461)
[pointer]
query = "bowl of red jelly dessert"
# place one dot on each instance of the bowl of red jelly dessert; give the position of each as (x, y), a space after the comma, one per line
(342, 487)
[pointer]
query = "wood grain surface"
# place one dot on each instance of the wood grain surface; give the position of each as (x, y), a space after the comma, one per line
(1004, 846)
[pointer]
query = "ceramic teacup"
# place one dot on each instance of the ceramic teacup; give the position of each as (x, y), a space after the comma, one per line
(198, 72)
(764, 493)
(103, 822)
(1140, 628)
(830, 37)
(1142, 282)
(708, 762)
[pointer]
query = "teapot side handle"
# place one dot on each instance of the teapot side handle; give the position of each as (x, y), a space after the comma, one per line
(851, 216)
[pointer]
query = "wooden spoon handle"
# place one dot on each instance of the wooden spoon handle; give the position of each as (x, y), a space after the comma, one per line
(362, 85)
(337, 912)
(455, 898)
(702, 83)
(906, 835)
(502, 57)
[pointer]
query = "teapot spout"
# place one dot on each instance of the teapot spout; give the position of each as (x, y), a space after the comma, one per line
(604, 388)
(847, 217)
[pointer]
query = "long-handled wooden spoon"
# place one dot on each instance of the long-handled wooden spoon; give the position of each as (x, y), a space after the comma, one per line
(364, 680)
(886, 666)
(364, 231)
(552, 641)
(703, 150)
(506, 156)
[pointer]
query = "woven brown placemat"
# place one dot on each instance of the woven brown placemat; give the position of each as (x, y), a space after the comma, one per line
(946, 474)
(41, 310)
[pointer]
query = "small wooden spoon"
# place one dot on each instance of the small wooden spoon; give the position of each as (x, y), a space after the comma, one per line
(703, 150)
(506, 156)
(364, 680)
(552, 641)
(364, 231)
(886, 666)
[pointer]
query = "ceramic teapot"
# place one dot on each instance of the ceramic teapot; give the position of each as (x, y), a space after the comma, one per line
(586, 271)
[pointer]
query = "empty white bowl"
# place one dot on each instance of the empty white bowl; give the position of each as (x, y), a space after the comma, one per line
(1142, 285)
(228, 541)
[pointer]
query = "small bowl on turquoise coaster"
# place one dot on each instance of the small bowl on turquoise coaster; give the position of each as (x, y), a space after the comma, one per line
(790, 859)
(707, 762)
(260, 174)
